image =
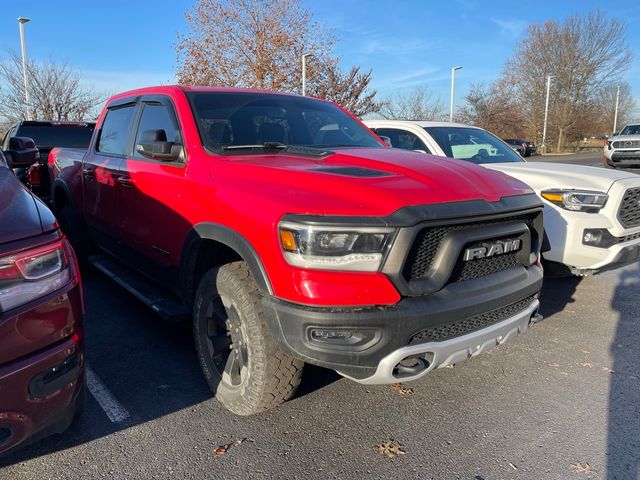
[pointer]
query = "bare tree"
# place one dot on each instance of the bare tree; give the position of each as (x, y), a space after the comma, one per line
(606, 106)
(55, 92)
(259, 44)
(493, 108)
(417, 104)
(347, 89)
(585, 53)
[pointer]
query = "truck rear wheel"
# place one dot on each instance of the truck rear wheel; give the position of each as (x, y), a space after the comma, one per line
(242, 364)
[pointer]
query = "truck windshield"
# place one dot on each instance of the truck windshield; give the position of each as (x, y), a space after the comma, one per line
(246, 121)
(49, 136)
(473, 144)
(631, 130)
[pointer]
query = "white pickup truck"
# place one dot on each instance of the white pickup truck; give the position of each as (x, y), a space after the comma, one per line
(591, 215)
(623, 149)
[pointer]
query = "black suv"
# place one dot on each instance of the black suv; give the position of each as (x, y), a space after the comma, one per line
(524, 147)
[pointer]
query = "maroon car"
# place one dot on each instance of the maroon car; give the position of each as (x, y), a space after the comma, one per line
(41, 307)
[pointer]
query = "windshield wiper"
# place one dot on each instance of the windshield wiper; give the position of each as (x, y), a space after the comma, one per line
(262, 146)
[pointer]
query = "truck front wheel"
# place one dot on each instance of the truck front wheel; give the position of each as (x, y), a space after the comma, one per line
(242, 364)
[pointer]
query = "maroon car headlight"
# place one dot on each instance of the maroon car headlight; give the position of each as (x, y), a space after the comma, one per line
(33, 273)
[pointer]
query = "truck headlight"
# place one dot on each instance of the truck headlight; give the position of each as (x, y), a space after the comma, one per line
(321, 247)
(577, 200)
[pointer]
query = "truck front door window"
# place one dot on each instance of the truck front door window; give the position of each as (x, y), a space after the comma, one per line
(157, 117)
(403, 139)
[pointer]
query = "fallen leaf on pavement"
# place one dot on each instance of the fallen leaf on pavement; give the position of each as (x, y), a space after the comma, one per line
(222, 449)
(391, 449)
(587, 364)
(578, 468)
(402, 390)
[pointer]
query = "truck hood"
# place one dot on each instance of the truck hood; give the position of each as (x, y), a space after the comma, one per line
(362, 181)
(540, 175)
(622, 138)
(21, 214)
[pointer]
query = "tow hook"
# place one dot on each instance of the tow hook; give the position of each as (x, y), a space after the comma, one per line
(535, 318)
(410, 366)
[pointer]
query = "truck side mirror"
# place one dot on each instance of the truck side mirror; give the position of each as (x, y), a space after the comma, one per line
(22, 152)
(153, 144)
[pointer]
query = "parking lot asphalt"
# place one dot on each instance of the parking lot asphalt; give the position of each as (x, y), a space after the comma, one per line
(589, 159)
(560, 402)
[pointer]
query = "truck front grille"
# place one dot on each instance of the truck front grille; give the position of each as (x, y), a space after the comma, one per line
(470, 324)
(481, 268)
(428, 241)
(626, 144)
(629, 212)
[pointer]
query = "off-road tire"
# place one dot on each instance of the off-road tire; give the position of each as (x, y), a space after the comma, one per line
(271, 377)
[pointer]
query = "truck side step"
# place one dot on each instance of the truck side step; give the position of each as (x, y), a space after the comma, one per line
(168, 308)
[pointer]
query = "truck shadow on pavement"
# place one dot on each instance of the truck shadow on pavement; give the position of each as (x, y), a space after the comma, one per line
(557, 293)
(623, 442)
(149, 367)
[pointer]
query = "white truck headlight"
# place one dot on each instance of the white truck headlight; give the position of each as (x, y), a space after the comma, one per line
(577, 200)
(321, 247)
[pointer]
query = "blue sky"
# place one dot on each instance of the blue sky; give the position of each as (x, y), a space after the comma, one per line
(117, 45)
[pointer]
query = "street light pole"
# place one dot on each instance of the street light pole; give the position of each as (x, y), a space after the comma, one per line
(546, 113)
(23, 47)
(453, 80)
(304, 72)
(615, 116)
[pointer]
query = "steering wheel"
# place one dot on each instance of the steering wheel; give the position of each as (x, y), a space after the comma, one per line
(481, 156)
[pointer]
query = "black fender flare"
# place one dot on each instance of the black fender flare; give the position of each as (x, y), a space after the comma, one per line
(61, 184)
(230, 238)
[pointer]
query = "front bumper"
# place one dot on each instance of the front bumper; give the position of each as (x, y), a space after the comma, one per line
(622, 158)
(453, 351)
(40, 392)
(564, 232)
(379, 335)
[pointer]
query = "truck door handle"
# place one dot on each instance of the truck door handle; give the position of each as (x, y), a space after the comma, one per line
(89, 172)
(125, 181)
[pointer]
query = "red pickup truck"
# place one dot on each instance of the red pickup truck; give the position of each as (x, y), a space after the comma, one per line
(289, 233)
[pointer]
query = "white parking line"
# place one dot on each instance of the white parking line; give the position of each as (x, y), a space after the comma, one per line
(112, 408)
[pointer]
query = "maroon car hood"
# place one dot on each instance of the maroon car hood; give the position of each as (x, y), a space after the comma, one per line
(21, 215)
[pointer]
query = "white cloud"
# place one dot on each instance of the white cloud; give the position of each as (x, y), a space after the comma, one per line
(513, 28)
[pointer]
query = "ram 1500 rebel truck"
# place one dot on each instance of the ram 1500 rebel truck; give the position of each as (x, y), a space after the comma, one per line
(289, 233)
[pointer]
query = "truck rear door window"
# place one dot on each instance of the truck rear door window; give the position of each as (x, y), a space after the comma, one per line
(115, 130)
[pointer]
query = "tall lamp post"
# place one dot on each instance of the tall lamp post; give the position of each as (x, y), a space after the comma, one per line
(23, 47)
(453, 80)
(615, 116)
(546, 114)
(304, 72)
